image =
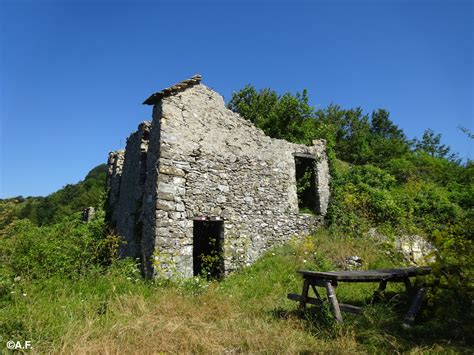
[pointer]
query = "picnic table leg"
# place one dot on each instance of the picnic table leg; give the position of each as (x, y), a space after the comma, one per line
(317, 294)
(408, 285)
(304, 294)
(332, 299)
(415, 306)
(379, 292)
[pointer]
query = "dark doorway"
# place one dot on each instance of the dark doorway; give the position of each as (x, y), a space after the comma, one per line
(306, 184)
(208, 257)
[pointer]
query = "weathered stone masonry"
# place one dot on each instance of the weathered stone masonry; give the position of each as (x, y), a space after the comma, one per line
(197, 160)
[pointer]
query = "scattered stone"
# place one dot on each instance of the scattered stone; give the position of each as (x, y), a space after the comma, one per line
(352, 262)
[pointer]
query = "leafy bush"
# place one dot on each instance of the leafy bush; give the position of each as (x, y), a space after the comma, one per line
(362, 196)
(69, 248)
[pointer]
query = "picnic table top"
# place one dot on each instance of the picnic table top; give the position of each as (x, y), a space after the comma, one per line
(367, 275)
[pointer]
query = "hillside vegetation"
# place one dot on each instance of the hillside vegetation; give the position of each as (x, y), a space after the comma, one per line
(62, 203)
(63, 288)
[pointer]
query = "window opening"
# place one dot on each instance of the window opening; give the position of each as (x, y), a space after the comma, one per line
(306, 184)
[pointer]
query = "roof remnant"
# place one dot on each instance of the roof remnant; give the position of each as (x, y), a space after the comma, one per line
(173, 90)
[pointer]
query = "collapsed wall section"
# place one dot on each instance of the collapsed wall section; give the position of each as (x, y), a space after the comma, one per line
(322, 176)
(150, 211)
(114, 176)
(126, 200)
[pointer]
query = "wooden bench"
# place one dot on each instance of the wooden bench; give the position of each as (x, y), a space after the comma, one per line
(329, 280)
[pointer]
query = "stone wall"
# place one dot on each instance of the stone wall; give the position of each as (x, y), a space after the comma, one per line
(203, 160)
(114, 175)
(128, 205)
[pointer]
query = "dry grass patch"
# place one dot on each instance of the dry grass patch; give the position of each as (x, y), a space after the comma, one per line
(208, 323)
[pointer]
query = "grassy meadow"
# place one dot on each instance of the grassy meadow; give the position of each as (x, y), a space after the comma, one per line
(114, 310)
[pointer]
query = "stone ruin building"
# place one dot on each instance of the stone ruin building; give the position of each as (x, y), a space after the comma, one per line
(200, 189)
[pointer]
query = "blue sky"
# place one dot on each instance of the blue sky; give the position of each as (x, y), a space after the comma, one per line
(73, 73)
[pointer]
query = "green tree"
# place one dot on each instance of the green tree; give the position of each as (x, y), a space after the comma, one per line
(352, 137)
(284, 116)
(467, 131)
(387, 141)
(430, 143)
(382, 126)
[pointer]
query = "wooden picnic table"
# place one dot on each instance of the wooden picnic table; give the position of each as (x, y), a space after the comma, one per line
(329, 280)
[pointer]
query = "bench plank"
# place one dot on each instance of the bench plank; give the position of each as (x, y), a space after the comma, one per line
(310, 300)
(350, 308)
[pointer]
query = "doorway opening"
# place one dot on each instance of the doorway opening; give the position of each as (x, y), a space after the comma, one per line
(208, 258)
(306, 184)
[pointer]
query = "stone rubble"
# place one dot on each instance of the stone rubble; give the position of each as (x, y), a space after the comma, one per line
(352, 262)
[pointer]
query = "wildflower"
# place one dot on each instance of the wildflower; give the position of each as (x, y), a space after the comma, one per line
(304, 260)
(24, 295)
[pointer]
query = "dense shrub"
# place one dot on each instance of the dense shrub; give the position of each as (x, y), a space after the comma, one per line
(362, 196)
(69, 248)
